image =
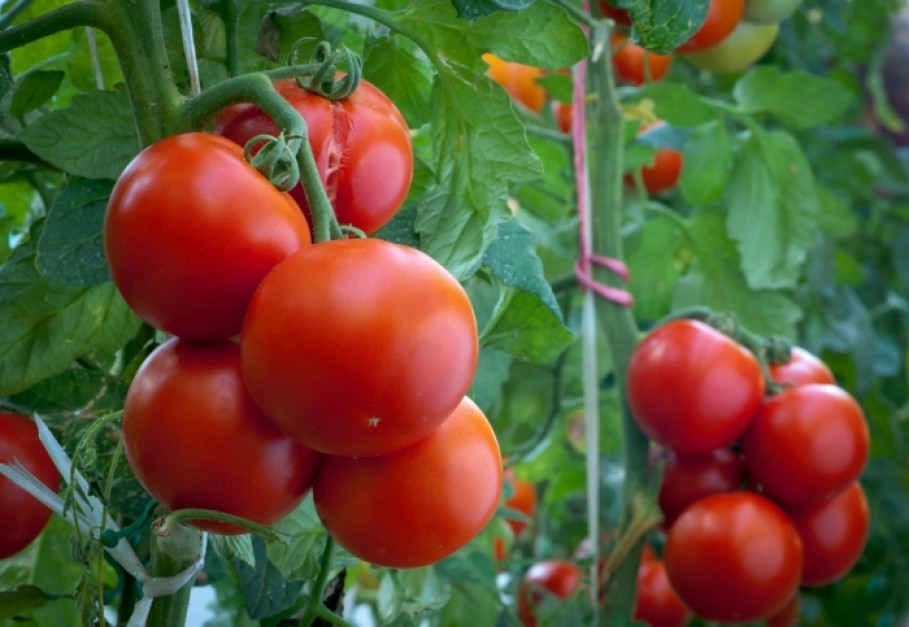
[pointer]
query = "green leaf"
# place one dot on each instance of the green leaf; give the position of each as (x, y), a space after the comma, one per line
(773, 207)
(21, 600)
(71, 246)
(472, 9)
(265, 591)
(835, 218)
(492, 373)
(479, 148)
(799, 99)
(525, 327)
(402, 76)
(708, 155)
(94, 137)
(677, 103)
(235, 547)
(715, 280)
(650, 253)
(663, 25)
(35, 89)
(46, 326)
(297, 554)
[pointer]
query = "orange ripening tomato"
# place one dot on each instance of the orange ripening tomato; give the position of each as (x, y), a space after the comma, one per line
(519, 81)
(417, 505)
(361, 145)
(664, 173)
(554, 577)
(22, 516)
(657, 603)
(523, 499)
(722, 18)
(635, 65)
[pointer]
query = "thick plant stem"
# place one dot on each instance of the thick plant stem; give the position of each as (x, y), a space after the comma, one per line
(616, 322)
(171, 554)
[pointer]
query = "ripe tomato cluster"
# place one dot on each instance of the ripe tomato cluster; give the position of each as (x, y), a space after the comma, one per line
(340, 367)
(23, 516)
(760, 489)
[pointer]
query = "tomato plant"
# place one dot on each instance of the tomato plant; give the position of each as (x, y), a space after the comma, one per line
(635, 65)
(734, 557)
(519, 80)
(361, 144)
(807, 444)
(24, 517)
(419, 504)
(691, 388)
(722, 18)
(688, 478)
(833, 533)
(359, 347)
(186, 407)
(739, 50)
(184, 247)
(803, 367)
(555, 578)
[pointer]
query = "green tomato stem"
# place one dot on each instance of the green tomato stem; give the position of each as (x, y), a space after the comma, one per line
(172, 553)
(314, 606)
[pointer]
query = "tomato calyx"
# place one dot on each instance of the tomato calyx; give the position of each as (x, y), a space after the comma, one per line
(275, 158)
(325, 79)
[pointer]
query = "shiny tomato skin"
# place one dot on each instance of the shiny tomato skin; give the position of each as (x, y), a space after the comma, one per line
(657, 603)
(519, 81)
(359, 346)
(788, 616)
(523, 499)
(417, 505)
(190, 231)
(629, 60)
(722, 18)
(688, 478)
(619, 16)
(692, 388)
(803, 367)
(23, 516)
(361, 144)
(194, 438)
(734, 557)
(807, 444)
(552, 577)
(741, 49)
(834, 534)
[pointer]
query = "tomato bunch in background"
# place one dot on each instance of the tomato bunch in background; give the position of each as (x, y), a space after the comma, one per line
(23, 516)
(753, 469)
(339, 367)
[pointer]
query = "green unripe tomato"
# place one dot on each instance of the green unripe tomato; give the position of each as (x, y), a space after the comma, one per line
(769, 11)
(745, 45)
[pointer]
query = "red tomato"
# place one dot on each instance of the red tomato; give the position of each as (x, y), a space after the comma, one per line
(834, 534)
(563, 114)
(722, 18)
(361, 144)
(788, 616)
(417, 505)
(359, 347)
(734, 557)
(194, 438)
(549, 578)
(688, 478)
(657, 603)
(630, 59)
(190, 231)
(519, 80)
(23, 517)
(619, 16)
(802, 368)
(523, 499)
(663, 174)
(691, 388)
(807, 444)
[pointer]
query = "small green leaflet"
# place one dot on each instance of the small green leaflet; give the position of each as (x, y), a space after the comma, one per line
(46, 326)
(708, 154)
(663, 25)
(35, 89)
(773, 208)
(472, 9)
(265, 591)
(94, 137)
(21, 600)
(799, 99)
(715, 280)
(70, 249)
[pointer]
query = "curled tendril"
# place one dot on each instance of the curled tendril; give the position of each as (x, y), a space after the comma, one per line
(275, 158)
(325, 79)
